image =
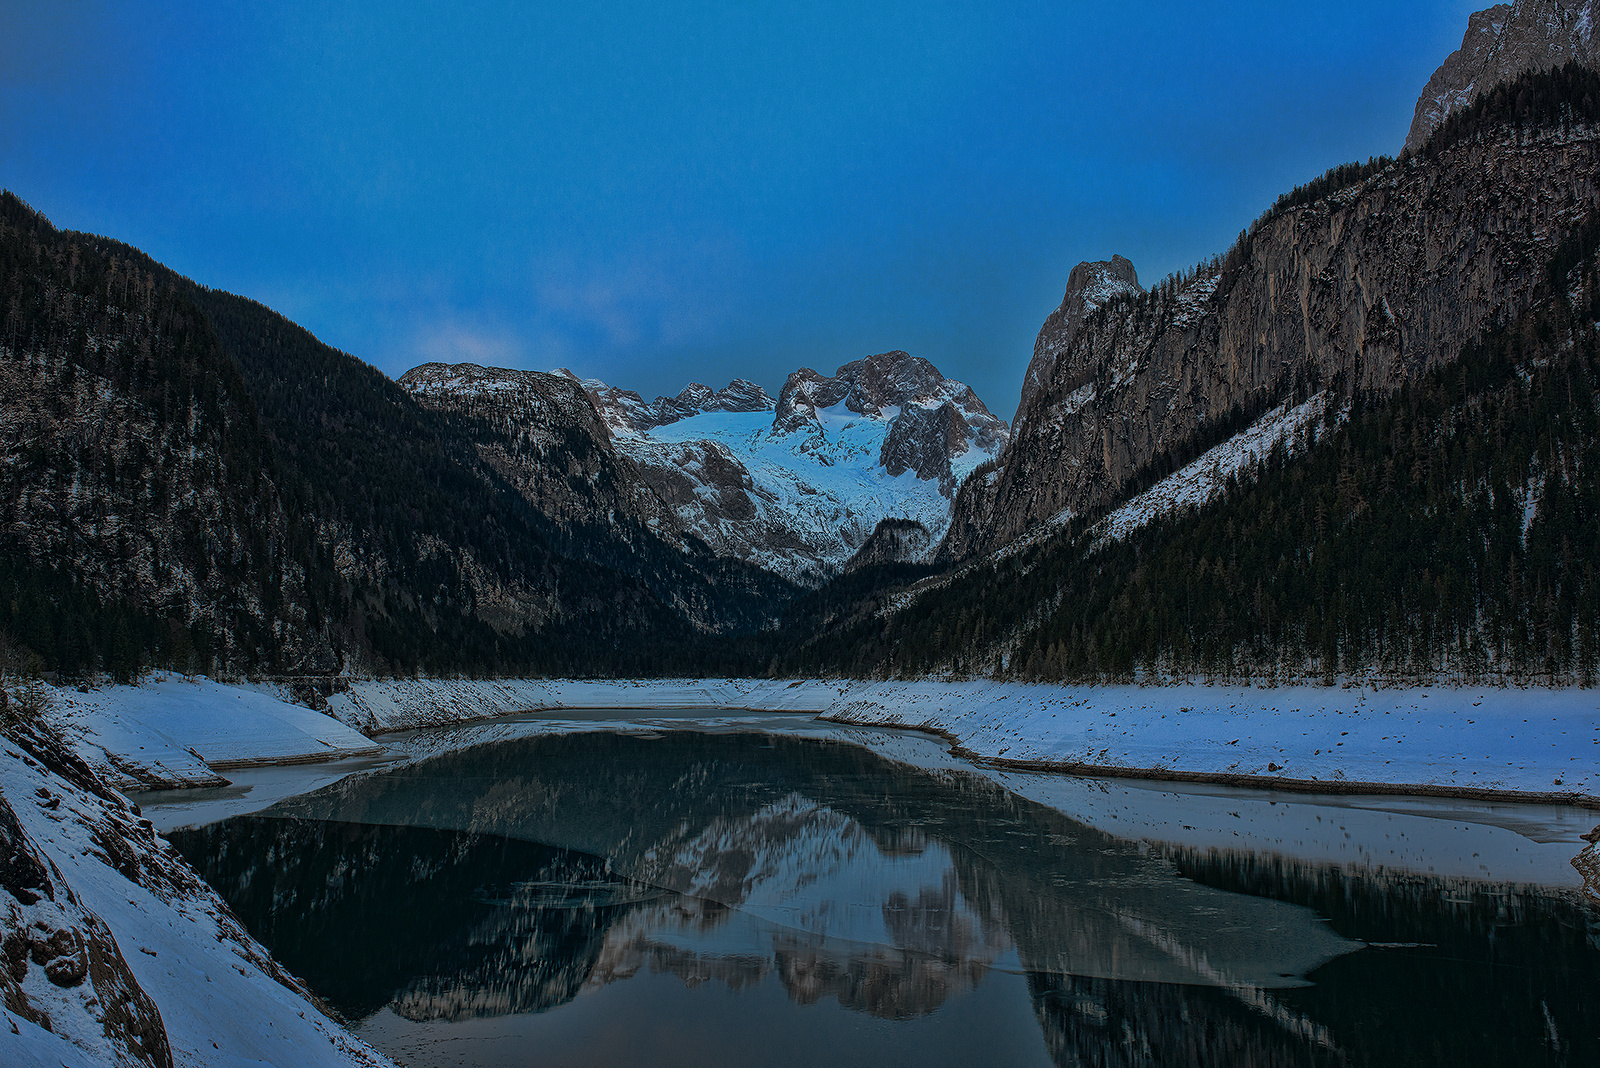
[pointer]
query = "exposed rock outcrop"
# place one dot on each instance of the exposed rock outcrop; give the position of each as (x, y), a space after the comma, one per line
(1089, 287)
(1502, 42)
(1360, 290)
(60, 968)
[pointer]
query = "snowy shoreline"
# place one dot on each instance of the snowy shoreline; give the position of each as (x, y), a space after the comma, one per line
(1536, 745)
(1484, 744)
(1526, 746)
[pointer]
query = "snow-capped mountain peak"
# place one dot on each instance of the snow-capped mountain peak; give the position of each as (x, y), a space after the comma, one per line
(625, 411)
(799, 490)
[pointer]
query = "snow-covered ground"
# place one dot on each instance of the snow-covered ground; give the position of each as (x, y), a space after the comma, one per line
(183, 731)
(222, 999)
(1518, 741)
(1523, 741)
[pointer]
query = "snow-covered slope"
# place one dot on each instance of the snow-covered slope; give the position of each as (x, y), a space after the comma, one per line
(1202, 479)
(173, 732)
(134, 960)
(799, 484)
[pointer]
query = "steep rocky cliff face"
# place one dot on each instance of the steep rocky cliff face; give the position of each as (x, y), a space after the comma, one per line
(1360, 290)
(541, 434)
(1502, 42)
(1089, 287)
(797, 485)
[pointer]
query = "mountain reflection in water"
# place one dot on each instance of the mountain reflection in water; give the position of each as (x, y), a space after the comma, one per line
(511, 878)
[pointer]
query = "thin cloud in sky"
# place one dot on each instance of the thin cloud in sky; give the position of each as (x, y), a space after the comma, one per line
(660, 193)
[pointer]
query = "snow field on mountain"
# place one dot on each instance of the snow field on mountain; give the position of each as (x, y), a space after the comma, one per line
(825, 487)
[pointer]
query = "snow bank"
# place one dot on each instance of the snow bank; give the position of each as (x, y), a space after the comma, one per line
(1543, 742)
(1499, 740)
(1533, 741)
(223, 1000)
(179, 732)
(376, 706)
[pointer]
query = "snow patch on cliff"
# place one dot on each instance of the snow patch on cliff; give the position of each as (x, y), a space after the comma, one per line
(1199, 481)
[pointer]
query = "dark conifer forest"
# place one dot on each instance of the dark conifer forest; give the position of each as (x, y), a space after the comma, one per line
(1449, 530)
(190, 481)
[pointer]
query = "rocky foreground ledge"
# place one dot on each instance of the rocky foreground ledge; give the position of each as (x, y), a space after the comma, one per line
(114, 952)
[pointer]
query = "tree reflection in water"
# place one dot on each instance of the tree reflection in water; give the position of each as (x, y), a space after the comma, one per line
(510, 878)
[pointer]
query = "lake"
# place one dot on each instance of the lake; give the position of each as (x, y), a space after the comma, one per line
(737, 890)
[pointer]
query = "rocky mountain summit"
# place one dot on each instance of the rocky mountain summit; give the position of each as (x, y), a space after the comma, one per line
(800, 490)
(1089, 287)
(1502, 42)
(934, 419)
(626, 408)
(1357, 291)
(795, 485)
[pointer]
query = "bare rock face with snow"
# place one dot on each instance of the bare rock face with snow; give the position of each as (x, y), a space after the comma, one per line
(114, 952)
(60, 968)
(934, 420)
(1089, 287)
(800, 490)
(1363, 289)
(625, 408)
(1502, 42)
(544, 436)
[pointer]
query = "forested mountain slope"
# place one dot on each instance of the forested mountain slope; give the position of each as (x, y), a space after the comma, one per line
(1362, 283)
(140, 514)
(1437, 515)
(193, 480)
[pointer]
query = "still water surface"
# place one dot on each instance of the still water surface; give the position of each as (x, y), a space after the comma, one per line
(745, 897)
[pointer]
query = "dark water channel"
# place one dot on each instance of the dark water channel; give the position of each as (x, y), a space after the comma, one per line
(692, 898)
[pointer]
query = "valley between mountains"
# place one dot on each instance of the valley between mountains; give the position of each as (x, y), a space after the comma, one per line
(1321, 513)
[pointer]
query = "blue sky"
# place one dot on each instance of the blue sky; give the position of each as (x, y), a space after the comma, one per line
(660, 193)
